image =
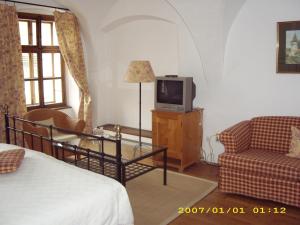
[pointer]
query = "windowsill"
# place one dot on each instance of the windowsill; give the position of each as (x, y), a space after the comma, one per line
(30, 108)
(62, 107)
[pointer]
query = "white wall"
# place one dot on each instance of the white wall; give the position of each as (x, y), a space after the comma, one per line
(229, 47)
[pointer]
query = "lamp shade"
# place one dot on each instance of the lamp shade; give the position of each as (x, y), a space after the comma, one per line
(139, 72)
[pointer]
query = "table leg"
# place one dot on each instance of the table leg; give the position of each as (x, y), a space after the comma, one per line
(165, 166)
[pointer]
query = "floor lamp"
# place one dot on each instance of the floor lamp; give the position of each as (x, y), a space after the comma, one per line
(140, 72)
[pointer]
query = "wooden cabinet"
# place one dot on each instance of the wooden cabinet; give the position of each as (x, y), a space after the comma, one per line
(181, 133)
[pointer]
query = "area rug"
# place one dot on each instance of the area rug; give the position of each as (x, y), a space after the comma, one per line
(156, 204)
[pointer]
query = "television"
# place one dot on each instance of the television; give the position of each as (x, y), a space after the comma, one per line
(173, 93)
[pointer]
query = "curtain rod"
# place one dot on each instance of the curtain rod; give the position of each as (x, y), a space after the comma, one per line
(34, 4)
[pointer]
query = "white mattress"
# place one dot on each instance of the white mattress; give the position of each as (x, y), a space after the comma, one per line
(46, 191)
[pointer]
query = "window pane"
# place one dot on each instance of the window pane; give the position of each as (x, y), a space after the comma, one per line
(53, 91)
(35, 65)
(58, 91)
(32, 92)
(46, 33)
(34, 33)
(49, 91)
(23, 27)
(57, 65)
(30, 66)
(26, 67)
(51, 65)
(49, 35)
(55, 41)
(47, 65)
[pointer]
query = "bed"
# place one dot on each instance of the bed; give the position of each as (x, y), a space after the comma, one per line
(47, 191)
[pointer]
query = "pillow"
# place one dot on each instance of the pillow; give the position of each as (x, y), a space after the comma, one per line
(11, 160)
(48, 122)
(295, 143)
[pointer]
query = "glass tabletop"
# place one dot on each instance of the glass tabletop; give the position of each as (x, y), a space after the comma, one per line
(130, 149)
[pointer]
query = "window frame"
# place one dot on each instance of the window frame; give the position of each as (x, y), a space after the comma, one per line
(39, 49)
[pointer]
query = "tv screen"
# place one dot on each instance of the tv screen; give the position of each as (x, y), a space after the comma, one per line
(170, 92)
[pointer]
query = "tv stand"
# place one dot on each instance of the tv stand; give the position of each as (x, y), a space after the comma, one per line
(181, 133)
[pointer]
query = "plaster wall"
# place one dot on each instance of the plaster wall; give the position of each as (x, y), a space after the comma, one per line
(229, 47)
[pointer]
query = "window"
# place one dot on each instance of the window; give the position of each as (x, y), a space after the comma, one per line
(43, 65)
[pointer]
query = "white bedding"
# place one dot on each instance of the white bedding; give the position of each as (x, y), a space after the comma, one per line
(46, 191)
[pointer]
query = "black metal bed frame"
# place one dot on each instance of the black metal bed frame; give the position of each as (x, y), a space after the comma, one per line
(97, 161)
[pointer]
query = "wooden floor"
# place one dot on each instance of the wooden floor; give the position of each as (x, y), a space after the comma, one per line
(218, 199)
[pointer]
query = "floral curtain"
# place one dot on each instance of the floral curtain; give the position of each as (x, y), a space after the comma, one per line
(69, 39)
(11, 68)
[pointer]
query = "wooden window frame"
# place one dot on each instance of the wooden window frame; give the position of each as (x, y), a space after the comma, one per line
(39, 49)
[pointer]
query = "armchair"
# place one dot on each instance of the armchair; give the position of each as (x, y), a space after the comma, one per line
(255, 163)
(49, 117)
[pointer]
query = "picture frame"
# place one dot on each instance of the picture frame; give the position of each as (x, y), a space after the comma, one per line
(288, 47)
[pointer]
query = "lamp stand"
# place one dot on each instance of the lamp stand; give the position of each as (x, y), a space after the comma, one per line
(139, 145)
(140, 115)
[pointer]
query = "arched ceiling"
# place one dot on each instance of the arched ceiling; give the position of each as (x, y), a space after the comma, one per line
(92, 13)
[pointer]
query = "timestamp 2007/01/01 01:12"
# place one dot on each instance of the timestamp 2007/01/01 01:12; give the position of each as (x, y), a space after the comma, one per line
(233, 210)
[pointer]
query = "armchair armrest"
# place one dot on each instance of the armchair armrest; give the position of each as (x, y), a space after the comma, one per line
(79, 125)
(236, 138)
(75, 125)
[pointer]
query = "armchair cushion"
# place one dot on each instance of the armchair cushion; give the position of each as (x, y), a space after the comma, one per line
(48, 122)
(237, 138)
(273, 132)
(278, 190)
(264, 163)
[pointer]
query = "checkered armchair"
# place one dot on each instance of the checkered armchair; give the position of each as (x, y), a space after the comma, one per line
(255, 163)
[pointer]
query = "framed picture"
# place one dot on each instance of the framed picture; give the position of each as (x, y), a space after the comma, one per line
(288, 47)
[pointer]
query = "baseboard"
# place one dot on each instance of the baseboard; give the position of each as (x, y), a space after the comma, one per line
(209, 163)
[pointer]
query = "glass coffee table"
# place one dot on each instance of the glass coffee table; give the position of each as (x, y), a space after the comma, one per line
(113, 157)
